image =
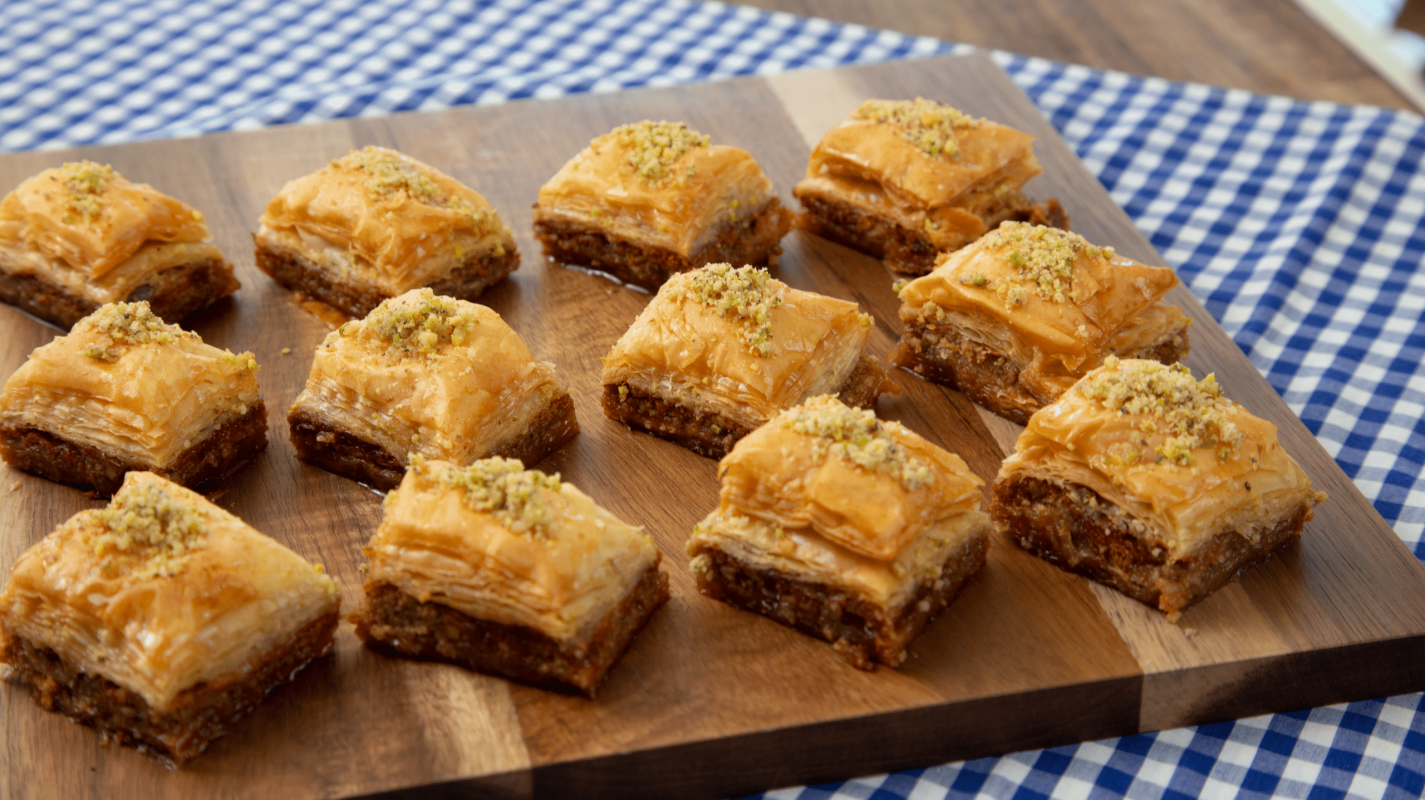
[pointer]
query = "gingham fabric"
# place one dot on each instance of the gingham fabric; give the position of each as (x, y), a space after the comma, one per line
(1297, 224)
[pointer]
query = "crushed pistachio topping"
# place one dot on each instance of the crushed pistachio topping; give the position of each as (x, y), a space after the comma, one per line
(928, 125)
(1192, 413)
(86, 182)
(860, 438)
(391, 175)
(1044, 258)
(419, 329)
(503, 487)
(653, 147)
(743, 293)
(898, 284)
(128, 324)
(976, 278)
(149, 529)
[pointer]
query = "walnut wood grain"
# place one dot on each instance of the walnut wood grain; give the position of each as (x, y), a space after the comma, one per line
(1268, 46)
(708, 701)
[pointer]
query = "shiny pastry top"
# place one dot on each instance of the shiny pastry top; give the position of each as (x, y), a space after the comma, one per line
(738, 338)
(829, 494)
(391, 219)
(871, 487)
(129, 384)
(502, 543)
(428, 374)
(89, 229)
(161, 590)
(1047, 297)
(923, 163)
(656, 183)
(1169, 449)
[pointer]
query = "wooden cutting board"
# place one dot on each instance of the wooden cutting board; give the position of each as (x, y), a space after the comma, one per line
(708, 701)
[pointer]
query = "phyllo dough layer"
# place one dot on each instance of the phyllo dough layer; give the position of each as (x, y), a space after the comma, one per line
(850, 514)
(166, 596)
(533, 579)
(128, 387)
(377, 223)
(738, 346)
(1020, 315)
(78, 236)
(653, 198)
(430, 375)
(904, 180)
(1153, 482)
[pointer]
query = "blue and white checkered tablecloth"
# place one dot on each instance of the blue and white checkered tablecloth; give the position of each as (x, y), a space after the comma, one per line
(1297, 224)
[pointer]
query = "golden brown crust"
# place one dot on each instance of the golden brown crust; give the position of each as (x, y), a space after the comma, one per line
(754, 240)
(193, 720)
(862, 632)
(339, 451)
(393, 621)
(711, 434)
(906, 251)
(990, 378)
(1077, 530)
(173, 294)
(358, 299)
(227, 448)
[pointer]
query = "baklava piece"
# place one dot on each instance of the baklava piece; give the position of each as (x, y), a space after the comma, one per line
(1151, 482)
(126, 391)
(162, 620)
(719, 351)
(507, 571)
(77, 237)
(653, 199)
(1016, 318)
(429, 376)
(906, 180)
(375, 224)
(843, 527)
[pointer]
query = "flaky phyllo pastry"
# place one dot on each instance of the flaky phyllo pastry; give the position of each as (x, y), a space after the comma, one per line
(651, 199)
(719, 351)
(78, 236)
(161, 620)
(509, 571)
(374, 224)
(430, 376)
(905, 180)
(127, 391)
(1151, 482)
(1016, 318)
(844, 527)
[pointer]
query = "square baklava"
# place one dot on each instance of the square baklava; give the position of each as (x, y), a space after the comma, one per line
(843, 527)
(1152, 482)
(127, 391)
(374, 224)
(430, 376)
(719, 351)
(1016, 318)
(507, 571)
(906, 180)
(161, 620)
(651, 199)
(82, 235)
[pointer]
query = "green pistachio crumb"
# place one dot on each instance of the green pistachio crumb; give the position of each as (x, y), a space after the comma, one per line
(653, 147)
(859, 437)
(503, 487)
(930, 126)
(743, 294)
